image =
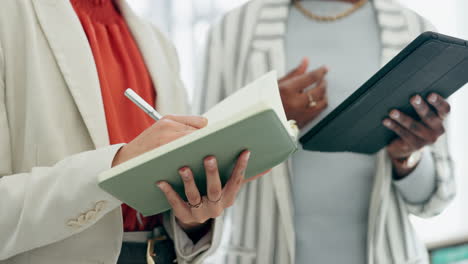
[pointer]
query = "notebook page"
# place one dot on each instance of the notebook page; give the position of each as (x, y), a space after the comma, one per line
(259, 92)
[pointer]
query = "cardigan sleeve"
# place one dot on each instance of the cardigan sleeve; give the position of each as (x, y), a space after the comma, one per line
(419, 185)
(445, 188)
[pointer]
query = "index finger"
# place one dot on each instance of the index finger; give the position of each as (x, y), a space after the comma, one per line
(253, 178)
(440, 104)
(193, 121)
(297, 71)
(180, 208)
(301, 82)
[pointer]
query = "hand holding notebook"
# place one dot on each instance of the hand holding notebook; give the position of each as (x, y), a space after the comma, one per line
(192, 213)
(251, 119)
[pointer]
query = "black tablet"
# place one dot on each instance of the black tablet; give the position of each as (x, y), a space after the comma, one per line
(431, 63)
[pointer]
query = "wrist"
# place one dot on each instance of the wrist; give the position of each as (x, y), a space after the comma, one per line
(195, 231)
(119, 156)
(191, 227)
(402, 167)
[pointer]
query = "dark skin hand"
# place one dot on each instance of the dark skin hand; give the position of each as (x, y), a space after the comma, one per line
(414, 135)
(294, 97)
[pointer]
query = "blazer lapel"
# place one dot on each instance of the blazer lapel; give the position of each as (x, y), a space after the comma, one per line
(268, 40)
(70, 46)
(171, 98)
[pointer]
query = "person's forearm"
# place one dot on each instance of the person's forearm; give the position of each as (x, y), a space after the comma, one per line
(402, 167)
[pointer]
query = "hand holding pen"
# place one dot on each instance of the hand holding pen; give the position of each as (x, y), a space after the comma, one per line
(194, 214)
(165, 130)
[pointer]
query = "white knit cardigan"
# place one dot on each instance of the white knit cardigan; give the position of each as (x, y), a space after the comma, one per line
(249, 42)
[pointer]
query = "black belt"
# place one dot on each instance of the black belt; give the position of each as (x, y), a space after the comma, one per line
(147, 248)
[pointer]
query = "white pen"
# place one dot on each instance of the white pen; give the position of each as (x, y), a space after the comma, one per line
(135, 98)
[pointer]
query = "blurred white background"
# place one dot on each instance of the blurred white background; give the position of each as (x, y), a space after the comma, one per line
(187, 24)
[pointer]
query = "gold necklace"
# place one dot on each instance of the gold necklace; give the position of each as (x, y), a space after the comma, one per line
(346, 13)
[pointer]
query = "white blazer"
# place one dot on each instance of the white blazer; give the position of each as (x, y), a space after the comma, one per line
(54, 140)
(259, 228)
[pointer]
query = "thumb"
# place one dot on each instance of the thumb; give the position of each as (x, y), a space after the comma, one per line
(253, 178)
(193, 121)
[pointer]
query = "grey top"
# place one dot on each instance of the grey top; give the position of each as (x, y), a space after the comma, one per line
(332, 190)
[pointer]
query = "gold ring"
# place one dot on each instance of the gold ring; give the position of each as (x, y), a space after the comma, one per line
(195, 205)
(312, 102)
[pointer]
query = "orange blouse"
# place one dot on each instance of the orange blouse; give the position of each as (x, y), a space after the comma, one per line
(120, 65)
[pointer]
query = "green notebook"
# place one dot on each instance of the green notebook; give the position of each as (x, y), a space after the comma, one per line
(252, 118)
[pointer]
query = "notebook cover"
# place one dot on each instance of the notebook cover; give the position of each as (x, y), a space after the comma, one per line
(431, 63)
(263, 134)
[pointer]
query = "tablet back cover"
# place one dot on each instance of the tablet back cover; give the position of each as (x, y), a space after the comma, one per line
(431, 63)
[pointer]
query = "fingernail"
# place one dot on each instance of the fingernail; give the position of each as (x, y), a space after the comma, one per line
(432, 98)
(160, 185)
(417, 100)
(387, 123)
(184, 173)
(395, 114)
(247, 156)
(211, 162)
